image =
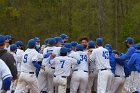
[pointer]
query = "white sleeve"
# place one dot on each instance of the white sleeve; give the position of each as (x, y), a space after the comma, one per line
(5, 71)
(40, 57)
(73, 61)
(92, 56)
(19, 56)
(35, 56)
(75, 55)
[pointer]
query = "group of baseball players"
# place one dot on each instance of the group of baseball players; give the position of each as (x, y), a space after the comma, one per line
(60, 66)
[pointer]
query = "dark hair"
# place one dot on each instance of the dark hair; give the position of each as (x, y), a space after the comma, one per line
(91, 47)
(2, 44)
(100, 44)
(116, 52)
(31, 47)
(138, 48)
(84, 38)
(63, 54)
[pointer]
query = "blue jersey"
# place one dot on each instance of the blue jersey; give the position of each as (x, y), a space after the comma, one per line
(134, 62)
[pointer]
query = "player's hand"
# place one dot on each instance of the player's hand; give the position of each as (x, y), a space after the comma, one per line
(53, 55)
(116, 56)
(4, 91)
(43, 67)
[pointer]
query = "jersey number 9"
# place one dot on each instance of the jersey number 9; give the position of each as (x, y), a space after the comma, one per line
(25, 58)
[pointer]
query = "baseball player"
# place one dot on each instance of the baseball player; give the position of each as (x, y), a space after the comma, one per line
(100, 56)
(46, 78)
(62, 70)
(5, 77)
(73, 44)
(93, 73)
(19, 54)
(80, 75)
(64, 37)
(28, 66)
(8, 42)
(119, 75)
(134, 66)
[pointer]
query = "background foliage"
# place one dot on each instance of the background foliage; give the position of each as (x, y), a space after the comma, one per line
(114, 20)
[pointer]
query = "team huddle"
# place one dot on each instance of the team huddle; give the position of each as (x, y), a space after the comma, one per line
(60, 66)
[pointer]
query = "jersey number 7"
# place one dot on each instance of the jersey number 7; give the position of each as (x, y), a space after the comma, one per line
(62, 61)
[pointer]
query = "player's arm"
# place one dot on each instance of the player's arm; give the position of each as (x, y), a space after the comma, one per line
(91, 57)
(131, 61)
(127, 55)
(11, 64)
(74, 61)
(6, 77)
(35, 62)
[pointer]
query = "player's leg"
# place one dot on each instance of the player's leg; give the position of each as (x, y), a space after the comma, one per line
(62, 85)
(42, 81)
(33, 84)
(102, 81)
(83, 82)
(21, 85)
(109, 81)
(90, 82)
(50, 85)
(75, 81)
(120, 88)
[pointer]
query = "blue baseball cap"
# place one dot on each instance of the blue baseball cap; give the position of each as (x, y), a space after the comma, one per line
(7, 37)
(99, 40)
(91, 44)
(74, 43)
(138, 45)
(51, 41)
(108, 45)
(64, 36)
(2, 39)
(31, 43)
(37, 39)
(63, 50)
(13, 47)
(58, 39)
(129, 40)
(46, 41)
(79, 47)
(67, 45)
(19, 43)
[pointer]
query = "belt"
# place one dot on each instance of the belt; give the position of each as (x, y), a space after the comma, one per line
(103, 69)
(52, 67)
(62, 76)
(29, 72)
(83, 70)
(117, 76)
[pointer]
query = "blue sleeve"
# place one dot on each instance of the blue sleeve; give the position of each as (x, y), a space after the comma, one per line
(112, 63)
(131, 61)
(120, 62)
(7, 83)
(46, 55)
(128, 54)
(36, 64)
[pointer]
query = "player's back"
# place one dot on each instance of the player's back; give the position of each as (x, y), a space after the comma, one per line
(101, 58)
(63, 65)
(29, 56)
(83, 61)
(53, 49)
